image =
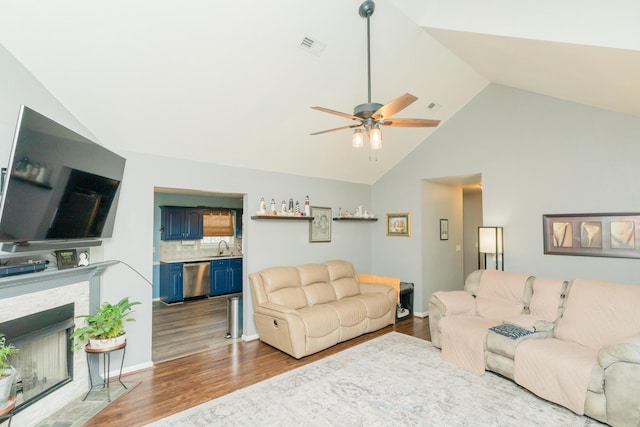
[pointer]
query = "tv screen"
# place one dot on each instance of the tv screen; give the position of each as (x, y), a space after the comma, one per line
(59, 185)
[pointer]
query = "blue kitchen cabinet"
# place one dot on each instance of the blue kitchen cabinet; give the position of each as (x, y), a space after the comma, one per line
(171, 289)
(226, 276)
(181, 223)
(235, 271)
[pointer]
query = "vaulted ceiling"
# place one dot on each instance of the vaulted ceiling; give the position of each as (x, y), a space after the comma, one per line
(227, 82)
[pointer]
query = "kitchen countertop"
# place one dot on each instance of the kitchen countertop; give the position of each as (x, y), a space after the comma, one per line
(201, 258)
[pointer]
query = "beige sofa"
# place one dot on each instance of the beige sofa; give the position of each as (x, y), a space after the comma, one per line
(302, 310)
(582, 348)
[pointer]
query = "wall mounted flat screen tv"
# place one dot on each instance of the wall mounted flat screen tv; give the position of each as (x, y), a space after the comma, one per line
(59, 185)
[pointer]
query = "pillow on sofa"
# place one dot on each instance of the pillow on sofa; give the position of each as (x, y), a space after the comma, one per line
(500, 294)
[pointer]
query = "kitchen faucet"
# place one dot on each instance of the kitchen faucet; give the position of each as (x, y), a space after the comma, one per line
(225, 243)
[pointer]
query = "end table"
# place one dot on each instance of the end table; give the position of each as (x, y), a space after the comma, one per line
(106, 366)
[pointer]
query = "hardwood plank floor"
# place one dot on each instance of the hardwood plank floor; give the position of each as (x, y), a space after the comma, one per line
(187, 328)
(178, 384)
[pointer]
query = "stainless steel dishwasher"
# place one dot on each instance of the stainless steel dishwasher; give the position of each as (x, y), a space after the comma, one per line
(195, 279)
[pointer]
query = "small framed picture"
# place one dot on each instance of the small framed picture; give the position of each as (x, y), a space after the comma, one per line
(444, 229)
(399, 224)
(320, 226)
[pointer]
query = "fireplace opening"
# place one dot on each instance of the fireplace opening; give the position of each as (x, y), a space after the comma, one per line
(44, 361)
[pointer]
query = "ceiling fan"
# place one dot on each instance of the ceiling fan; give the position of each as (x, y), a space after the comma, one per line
(371, 116)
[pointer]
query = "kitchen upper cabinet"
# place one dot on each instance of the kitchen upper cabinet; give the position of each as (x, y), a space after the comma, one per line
(226, 276)
(181, 223)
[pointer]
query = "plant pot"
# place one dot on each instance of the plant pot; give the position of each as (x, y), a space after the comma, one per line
(6, 381)
(97, 344)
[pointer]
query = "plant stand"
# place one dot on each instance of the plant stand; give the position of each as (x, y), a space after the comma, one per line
(7, 412)
(106, 366)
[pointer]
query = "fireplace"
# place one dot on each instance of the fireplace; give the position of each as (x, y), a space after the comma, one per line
(44, 362)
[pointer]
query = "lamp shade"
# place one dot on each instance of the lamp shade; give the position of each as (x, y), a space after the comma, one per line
(490, 240)
(375, 137)
(358, 138)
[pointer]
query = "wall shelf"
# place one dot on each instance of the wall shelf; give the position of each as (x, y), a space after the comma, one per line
(283, 217)
(32, 182)
(353, 219)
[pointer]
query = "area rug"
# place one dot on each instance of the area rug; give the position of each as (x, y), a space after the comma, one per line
(393, 380)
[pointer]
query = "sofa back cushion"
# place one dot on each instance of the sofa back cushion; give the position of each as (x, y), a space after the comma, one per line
(282, 286)
(547, 298)
(343, 278)
(598, 313)
(501, 294)
(314, 279)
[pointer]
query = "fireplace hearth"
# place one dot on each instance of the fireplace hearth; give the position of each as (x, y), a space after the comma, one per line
(44, 362)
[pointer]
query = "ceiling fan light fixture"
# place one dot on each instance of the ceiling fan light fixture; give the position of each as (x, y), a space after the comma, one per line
(358, 138)
(375, 137)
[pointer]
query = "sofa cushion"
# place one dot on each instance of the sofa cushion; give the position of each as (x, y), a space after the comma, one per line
(547, 298)
(463, 341)
(319, 321)
(282, 286)
(556, 370)
(500, 294)
(343, 278)
(598, 313)
(314, 279)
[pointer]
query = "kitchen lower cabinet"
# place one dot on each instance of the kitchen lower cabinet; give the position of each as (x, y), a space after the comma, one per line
(226, 276)
(171, 289)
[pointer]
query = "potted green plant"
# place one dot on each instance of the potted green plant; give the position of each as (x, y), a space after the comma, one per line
(105, 328)
(7, 372)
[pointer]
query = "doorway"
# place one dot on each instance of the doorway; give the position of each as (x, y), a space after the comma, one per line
(197, 324)
(446, 261)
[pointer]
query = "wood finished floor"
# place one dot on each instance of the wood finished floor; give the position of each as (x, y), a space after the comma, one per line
(175, 385)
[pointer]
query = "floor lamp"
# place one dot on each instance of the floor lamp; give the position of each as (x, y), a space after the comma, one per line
(491, 241)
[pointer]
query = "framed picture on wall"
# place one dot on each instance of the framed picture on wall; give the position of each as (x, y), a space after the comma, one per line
(320, 226)
(399, 224)
(607, 235)
(444, 229)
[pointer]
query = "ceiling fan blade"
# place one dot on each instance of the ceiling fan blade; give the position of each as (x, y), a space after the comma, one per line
(331, 130)
(337, 113)
(391, 108)
(410, 123)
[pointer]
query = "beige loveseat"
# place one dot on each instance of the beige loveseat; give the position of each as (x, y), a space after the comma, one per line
(302, 310)
(582, 343)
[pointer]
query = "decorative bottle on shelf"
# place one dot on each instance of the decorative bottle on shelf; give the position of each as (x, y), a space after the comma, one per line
(272, 210)
(307, 208)
(283, 208)
(291, 206)
(297, 211)
(263, 207)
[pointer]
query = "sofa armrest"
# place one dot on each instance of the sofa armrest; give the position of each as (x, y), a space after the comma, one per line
(275, 309)
(624, 351)
(621, 364)
(366, 288)
(453, 303)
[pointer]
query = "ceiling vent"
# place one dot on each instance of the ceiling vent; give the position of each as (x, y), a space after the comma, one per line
(433, 106)
(312, 45)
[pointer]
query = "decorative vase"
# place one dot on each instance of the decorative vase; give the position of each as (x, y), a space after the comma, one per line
(97, 344)
(6, 381)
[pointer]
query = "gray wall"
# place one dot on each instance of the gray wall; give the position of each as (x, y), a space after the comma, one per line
(537, 155)
(266, 243)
